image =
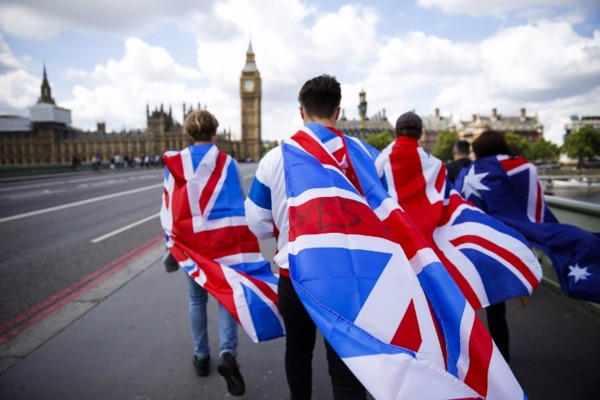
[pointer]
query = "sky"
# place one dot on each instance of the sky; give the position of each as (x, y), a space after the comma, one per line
(106, 60)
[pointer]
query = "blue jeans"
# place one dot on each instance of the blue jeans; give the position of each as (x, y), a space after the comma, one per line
(228, 326)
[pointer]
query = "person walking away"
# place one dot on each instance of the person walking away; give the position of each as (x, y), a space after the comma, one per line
(267, 216)
(460, 152)
(201, 126)
(507, 187)
(419, 182)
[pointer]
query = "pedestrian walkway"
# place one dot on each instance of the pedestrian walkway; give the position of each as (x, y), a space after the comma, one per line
(135, 344)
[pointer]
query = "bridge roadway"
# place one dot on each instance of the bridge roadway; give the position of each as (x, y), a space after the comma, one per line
(128, 338)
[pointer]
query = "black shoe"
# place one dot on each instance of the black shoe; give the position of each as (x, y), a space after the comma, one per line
(201, 365)
(230, 370)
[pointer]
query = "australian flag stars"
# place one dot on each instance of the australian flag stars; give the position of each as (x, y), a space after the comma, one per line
(509, 189)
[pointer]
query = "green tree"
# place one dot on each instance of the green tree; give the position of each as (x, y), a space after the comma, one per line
(379, 140)
(519, 145)
(585, 143)
(444, 144)
(543, 150)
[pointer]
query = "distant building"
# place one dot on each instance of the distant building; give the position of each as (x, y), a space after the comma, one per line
(46, 111)
(364, 126)
(433, 125)
(575, 123)
(48, 137)
(528, 127)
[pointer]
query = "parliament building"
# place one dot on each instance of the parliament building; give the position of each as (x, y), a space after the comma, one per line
(47, 136)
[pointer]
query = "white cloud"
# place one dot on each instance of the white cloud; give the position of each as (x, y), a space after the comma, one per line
(410, 70)
(292, 42)
(28, 23)
(8, 61)
(141, 64)
(501, 8)
(123, 107)
(539, 67)
(41, 19)
(19, 90)
(555, 112)
(119, 90)
(546, 67)
(530, 63)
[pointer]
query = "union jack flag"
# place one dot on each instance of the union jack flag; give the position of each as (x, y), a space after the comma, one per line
(489, 261)
(509, 189)
(203, 217)
(377, 292)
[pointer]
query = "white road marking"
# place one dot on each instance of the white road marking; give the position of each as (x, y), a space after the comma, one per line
(78, 203)
(35, 194)
(115, 232)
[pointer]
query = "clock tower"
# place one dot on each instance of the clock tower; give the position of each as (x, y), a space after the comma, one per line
(250, 94)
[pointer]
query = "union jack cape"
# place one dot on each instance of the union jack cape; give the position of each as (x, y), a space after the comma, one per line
(203, 217)
(489, 261)
(509, 189)
(377, 292)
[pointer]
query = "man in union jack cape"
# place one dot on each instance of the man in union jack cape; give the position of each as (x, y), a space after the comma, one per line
(203, 217)
(268, 217)
(362, 270)
(508, 188)
(489, 261)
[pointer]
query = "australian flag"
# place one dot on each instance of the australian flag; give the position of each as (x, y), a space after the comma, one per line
(203, 217)
(490, 261)
(509, 189)
(377, 292)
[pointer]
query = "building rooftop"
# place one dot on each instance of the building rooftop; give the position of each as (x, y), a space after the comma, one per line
(14, 123)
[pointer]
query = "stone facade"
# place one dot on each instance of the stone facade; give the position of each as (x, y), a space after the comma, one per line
(48, 137)
(364, 126)
(528, 127)
(433, 125)
(575, 123)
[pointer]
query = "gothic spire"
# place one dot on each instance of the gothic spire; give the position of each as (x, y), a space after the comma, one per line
(46, 91)
(250, 63)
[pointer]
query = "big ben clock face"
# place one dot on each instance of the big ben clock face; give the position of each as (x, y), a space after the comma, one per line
(248, 85)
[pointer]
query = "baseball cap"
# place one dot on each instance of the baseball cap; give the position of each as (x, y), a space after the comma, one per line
(409, 120)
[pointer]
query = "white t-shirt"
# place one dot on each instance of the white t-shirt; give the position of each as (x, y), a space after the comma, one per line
(266, 204)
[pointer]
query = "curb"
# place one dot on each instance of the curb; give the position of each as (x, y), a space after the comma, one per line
(32, 338)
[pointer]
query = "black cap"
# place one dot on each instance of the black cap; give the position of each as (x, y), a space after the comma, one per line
(410, 121)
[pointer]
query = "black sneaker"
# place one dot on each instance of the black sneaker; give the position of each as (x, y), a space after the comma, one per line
(230, 370)
(201, 365)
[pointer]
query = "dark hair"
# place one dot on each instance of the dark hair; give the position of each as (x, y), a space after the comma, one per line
(200, 125)
(413, 133)
(490, 143)
(321, 96)
(462, 147)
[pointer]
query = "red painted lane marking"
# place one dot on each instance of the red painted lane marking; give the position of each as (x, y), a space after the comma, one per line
(21, 322)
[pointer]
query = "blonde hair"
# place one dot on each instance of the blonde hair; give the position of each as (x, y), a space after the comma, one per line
(201, 125)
